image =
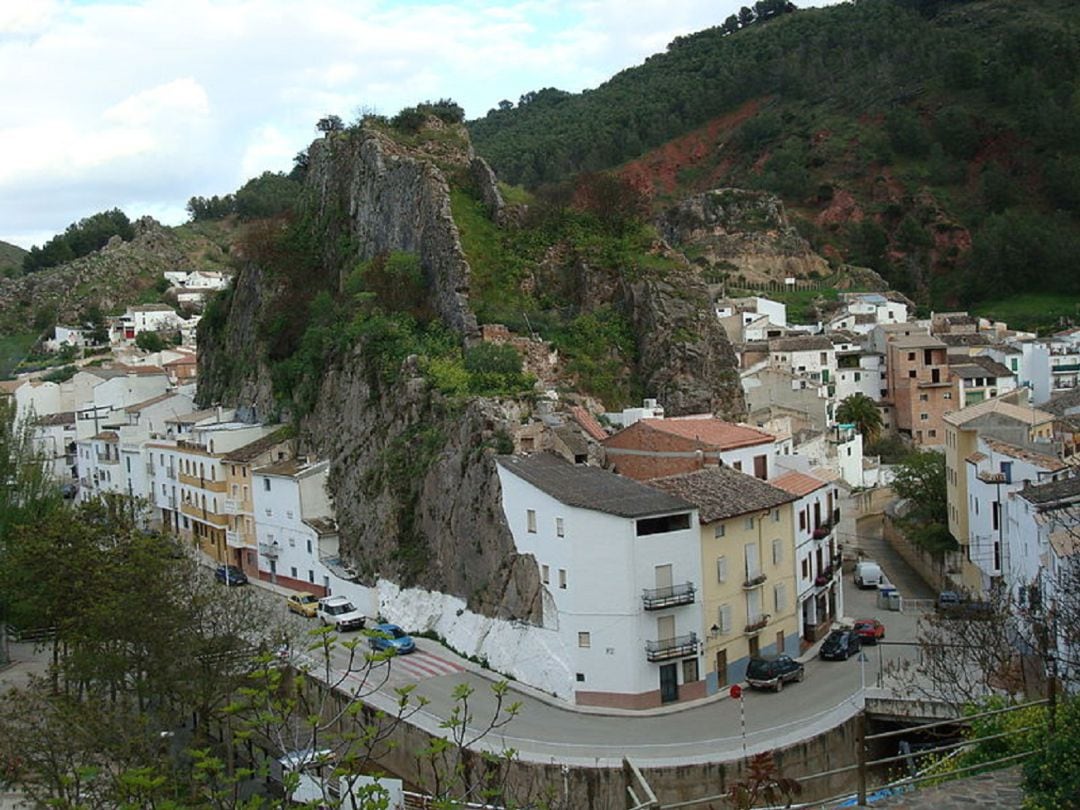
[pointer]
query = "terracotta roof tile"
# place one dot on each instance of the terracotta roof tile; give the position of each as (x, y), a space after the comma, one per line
(588, 423)
(797, 483)
(711, 431)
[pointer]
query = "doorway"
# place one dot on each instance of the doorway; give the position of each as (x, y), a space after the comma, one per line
(721, 668)
(669, 683)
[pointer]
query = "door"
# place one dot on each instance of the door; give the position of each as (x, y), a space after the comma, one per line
(663, 580)
(669, 683)
(721, 668)
(753, 564)
(665, 628)
(780, 642)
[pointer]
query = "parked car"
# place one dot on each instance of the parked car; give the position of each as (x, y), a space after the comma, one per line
(391, 637)
(840, 645)
(867, 574)
(953, 605)
(869, 631)
(339, 611)
(772, 673)
(303, 603)
(230, 575)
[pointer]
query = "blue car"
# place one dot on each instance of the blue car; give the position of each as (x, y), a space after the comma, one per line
(391, 637)
(230, 575)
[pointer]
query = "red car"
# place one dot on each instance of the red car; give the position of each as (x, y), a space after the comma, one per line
(870, 631)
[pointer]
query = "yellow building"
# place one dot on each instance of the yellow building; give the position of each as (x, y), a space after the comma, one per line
(1004, 416)
(748, 591)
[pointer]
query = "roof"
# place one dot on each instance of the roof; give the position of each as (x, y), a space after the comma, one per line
(976, 457)
(591, 487)
(322, 525)
(807, 343)
(1061, 404)
(63, 418)
(711, 431)
(1051, 492)
(193, 417)
(797, 483)
(1029, 416)
(186, 360)
(971, 339)
(572, 438)
(151, 308)
(291, 468)
(722, 492)
(974, 367)
(588, 423)
(1048, 461)
(1065, 542)
(108, 436)
(146, 403)
(919, 341)
(252, 450)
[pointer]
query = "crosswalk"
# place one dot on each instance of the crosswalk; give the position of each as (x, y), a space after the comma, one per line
(418, 666)
(398, 670)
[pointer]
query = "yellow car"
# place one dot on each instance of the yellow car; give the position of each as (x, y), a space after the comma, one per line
(303, 603)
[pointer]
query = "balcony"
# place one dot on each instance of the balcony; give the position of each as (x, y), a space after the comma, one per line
(756, 624)
(269, 550)
(191, 510)
(754, 582)
(822, 531)
(232, 507)
(103, 459)
(825, 576)
(670, 596)
(667, 648)
(234, 539)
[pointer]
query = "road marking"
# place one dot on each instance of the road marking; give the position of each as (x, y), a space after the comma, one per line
(421, 665)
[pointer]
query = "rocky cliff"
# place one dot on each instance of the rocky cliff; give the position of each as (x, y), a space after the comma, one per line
(412, 471)
(742, 233)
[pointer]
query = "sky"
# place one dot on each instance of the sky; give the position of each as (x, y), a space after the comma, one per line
(142, 104)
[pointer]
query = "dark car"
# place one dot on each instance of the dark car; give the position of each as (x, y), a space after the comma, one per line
(840, 645)
(230, 575)
(772, 673)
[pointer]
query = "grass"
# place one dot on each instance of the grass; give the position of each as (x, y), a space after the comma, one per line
(14, 348)
(1035, 312)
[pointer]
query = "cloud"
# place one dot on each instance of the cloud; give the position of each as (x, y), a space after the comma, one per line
(149, 102)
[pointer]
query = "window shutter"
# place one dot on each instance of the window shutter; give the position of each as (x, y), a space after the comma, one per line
(723, 619)
(780, 597)
(721, 569)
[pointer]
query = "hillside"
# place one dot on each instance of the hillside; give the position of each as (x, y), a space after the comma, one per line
(11, 257)
(120, 274)
(937, 148)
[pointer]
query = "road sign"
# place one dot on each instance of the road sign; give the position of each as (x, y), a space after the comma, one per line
(735, 692)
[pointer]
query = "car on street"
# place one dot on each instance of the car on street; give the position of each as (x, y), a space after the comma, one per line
(867, 574)
(339, 612)
(304, 603)
(840, 645)
(230, 575)
(869, 631)
(772, 673)
(391, 637)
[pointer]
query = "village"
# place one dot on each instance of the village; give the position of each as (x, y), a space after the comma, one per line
(718, 541)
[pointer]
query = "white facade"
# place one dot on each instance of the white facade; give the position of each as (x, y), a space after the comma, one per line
(867, 378)
(1064, 350)
(595, 568)
(284, 496)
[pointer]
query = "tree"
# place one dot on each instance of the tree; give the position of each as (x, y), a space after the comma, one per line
(746, 16)
(863, 412)
(330, 123)
(920, 478)
(149, 341)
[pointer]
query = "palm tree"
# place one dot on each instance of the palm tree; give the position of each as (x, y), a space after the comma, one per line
(861, 411)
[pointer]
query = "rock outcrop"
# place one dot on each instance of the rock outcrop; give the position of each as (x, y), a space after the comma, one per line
(374, 197)
(743, 233)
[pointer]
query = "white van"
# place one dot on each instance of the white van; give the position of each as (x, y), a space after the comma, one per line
(867, 574)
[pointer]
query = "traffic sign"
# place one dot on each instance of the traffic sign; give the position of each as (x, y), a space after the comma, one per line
(735, 692)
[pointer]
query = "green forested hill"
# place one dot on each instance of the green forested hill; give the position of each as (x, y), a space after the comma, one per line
(11, 258)
(933, 141)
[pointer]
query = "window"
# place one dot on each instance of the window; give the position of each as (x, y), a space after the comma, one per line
(802, 521)
(583, 640)
(924, 397)
(824, 358)
(776, 515)
(311, 576)
(718, 530)
(530, 520)
(562, 578)
(292, 542)
(723, 619)
(661, 525)
(293, 572)
(560, 530)
(777, 551)
(580, 677)
(931, 433)
(806, 567)
(748, 523)
(780, 597)
(308, 546)
(289, 514)
(947, 395)
(737, 466)
(911, 374)
(923, 417)
(910, 356)
(858, 376)
(266, 485)
(721, 569)
(545, 574)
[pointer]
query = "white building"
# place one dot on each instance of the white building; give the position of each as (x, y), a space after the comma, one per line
(813, 356)
(1064, 349)
(619, 563)
(817, 553)
(294, 524)
(145, 318)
